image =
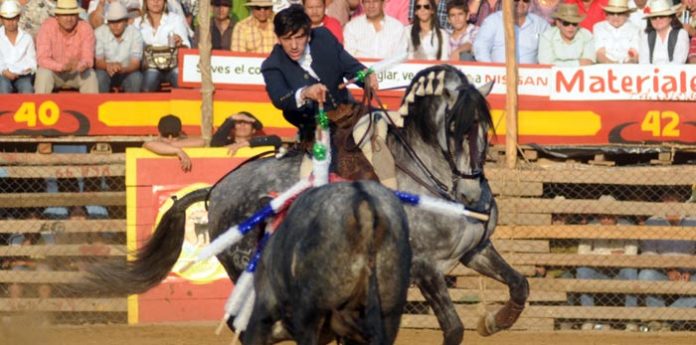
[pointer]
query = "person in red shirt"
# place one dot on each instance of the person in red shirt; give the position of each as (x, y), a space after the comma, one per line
(593, 11)
(316, 10)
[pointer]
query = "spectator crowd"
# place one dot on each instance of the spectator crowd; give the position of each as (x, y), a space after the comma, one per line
(131, 45)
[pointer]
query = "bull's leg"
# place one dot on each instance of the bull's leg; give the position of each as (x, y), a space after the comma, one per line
(487, 261)
(434, 288)
(391, 327)
(307, 325)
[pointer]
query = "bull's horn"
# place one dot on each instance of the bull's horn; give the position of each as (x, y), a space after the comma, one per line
(486, 88)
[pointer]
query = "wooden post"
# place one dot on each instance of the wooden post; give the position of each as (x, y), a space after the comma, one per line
(207, 87)
(510, 83)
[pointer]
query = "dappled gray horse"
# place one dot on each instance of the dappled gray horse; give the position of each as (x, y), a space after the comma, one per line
(339, 262)
(440, 151)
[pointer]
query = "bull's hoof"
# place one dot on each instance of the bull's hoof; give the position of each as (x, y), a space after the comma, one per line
(486, 325)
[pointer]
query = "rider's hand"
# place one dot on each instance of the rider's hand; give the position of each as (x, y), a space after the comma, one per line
(316, 92)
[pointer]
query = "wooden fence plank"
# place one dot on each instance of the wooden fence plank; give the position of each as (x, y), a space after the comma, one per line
(639, 261)
(65, 304)
(519, 218)
(595, 232)
(522, 246)
(592, 206)
(64, 250)
(63, 226)
(470, 321)
(461, 270)
(42, 277)
(499, 295)
(63, 171)
(611, 313)
(590, 286)
(577, 173)
(514, 188)
(62, 199)
(21, 158)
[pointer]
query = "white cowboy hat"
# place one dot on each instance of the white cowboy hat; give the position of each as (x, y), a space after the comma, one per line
(658, 8)
(10, 9)
(66, 7)
(618, 6)
(116, 12)
(259, 3)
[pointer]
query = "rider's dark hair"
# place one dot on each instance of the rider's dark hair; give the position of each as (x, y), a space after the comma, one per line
(291, 21)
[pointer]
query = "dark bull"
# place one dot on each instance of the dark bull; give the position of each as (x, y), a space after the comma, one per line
(338, 267)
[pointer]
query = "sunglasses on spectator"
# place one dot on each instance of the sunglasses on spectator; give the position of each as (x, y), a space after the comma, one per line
(658, 17)
(260, 8)
(564, 23)
(525, 1)
(426, 6)
(609, 14)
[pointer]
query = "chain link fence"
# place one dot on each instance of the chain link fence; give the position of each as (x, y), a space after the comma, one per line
(58, 213)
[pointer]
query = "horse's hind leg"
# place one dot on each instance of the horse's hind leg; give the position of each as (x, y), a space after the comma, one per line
(434, 288)
(487, 261)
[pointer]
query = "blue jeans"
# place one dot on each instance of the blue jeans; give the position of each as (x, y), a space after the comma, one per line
(23, 84)
(587, 300)
(153, 78)
(130, 83)
(657, 301)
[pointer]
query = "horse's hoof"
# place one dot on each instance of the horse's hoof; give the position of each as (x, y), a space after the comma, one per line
(486, 325)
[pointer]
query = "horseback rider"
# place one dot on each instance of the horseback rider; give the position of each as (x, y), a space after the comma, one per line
(306, 68)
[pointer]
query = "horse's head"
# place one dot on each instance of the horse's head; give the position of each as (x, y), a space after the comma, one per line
(443, 110)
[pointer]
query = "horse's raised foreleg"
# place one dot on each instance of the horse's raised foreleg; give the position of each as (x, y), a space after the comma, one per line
(487, 261)
(434, 288)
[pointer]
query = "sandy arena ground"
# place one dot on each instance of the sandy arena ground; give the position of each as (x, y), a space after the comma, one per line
(27, 332)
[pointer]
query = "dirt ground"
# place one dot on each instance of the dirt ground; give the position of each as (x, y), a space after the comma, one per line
(29, 331)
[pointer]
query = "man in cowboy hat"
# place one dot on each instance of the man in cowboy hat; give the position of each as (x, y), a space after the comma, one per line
(240, 130)
(65, 51)
(566, 44)
(617, 39)
(665, 41)
(254, 34)
(119, 52)
(17, 54)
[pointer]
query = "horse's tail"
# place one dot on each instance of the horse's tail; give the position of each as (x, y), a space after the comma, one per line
(153, 261)
(373, 227)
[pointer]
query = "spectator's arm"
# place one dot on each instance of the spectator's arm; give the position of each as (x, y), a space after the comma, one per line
(133, 66)
(173, 149)
(220, 137)
(43, 51)
(87, 54)
(189, 142)
(602, 56)
(96, 16)
(483, 44)
(100, 63)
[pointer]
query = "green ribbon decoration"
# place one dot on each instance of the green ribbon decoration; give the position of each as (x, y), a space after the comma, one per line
(360, 76)
(319, 151)
(322, 119)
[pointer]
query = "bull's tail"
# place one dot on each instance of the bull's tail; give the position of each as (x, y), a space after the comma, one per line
(373, 228)
(153, 261)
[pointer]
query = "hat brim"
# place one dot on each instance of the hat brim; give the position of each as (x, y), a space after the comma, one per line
(117, 19)
(66, 11)
(612, 9)
(259, 4)
(669, 12)
(574, 20)
(9, 15)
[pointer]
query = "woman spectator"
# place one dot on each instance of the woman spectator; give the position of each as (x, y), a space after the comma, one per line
(427, 41)
(462, 33)
(241, 130)
(617, 39)
(160, 28)
(665, 41)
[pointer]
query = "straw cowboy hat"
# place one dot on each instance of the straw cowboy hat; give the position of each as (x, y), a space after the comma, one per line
(618, 6)
(66, 7)
(10, 9)
(116, 12)
(658, 8)
(568, 13)
(259, 3)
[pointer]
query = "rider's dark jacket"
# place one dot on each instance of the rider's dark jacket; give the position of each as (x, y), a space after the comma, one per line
(284, 77)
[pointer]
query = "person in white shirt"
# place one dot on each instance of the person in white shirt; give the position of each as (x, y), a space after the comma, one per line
(426, 40)
(662, 28)
(489, 44)
(617, 39)
(17, 53)
(96, 10)
(155, 26)
(636, 17)
(374, 34)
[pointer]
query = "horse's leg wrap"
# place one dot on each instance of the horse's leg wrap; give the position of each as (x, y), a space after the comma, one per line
(503, 319)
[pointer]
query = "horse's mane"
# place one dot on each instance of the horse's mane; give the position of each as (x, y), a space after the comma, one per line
(471, 108)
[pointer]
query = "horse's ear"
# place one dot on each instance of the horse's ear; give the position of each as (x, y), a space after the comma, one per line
(486, 88)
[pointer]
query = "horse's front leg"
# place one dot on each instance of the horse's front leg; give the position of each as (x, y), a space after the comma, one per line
(487, 261)
(434, 288)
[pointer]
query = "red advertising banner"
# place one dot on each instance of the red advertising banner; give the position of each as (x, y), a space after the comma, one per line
(199, 293)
